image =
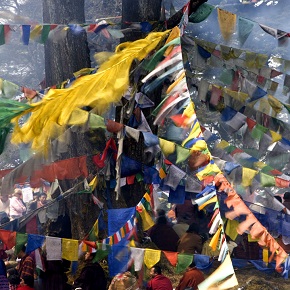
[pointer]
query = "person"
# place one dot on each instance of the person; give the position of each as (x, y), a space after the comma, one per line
(26, 266)
(17, 206)
(191, 278)
(163, 235)
(14, 281)
(191, 241)
(55, 277)
(32, 205)
(27, 283)
(124, 281)
(5, 204)
(92, 275)
(42, 200)
(158, 281)
(4, 284)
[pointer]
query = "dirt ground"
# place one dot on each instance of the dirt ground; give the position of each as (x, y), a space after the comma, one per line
(249, 278)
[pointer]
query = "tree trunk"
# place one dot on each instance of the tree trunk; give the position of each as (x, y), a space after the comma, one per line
(67, 52)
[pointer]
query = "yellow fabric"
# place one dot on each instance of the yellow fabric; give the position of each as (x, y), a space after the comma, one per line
(50, 116)
(162, 173)
(189, 110)
(265, 107)
(222, 144)
(147, 197)
(147, 221)
(36, 31)
(215, 239)
(248, 175)
(276, 105)
(259, 164)
(151, 257)
(93, 183)
(78, 117)
(275, 136)
(231, 229)
(210, 169)
(213, 199)
(240, 96)
(200, 145)
(175, 83)
(266, 255)
(69, 249)
(194, 133)
(227, 23)
(167, 147)
(175, 32)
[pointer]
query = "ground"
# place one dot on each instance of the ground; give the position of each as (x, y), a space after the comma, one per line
(249, 279)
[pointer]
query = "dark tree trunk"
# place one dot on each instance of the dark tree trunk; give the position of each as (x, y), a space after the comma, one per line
(67, 52)
(138, 11)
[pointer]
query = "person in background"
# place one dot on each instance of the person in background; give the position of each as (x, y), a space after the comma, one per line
(191, 278)
(191, 241)
(163, 236)
(17, 206)
(4, 284)
(5, 204)
(124, 281)
(42, 200)
(27, 264)
(33, 203)
(92, 275)
(27, 283)
(14, 282)
(158, 281)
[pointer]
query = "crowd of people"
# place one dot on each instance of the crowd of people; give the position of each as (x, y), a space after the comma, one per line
(12, 206)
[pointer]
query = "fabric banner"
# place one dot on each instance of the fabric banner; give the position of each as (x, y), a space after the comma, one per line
(70, 249)
(171, 257)
(117, 218)
(53, 248)
(183, 261)
(137, 255)
(34, 242)
(245, 27)
(151, 257)
(227, 23)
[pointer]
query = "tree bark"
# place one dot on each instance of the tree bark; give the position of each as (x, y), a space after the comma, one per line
(67, 52)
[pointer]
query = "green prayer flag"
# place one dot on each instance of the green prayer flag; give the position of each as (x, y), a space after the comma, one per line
(267, 180)
(202, 12)
(182, 154)
(183, 261)
(96, 121)
(94, 232)
(102, 252)
(21, 240)
(44, 33)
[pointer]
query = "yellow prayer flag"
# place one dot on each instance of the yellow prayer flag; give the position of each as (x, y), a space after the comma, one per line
(231, 229)
(147, 197)
(215, 239)
(93, 183)
(266, 256)
(151, 257)
(275, 136)
(70, 249)
(213, 199)
(227, 23)
(167, 147)
(222, 144)
(162, 173)
(147, 221)
(248, 175)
